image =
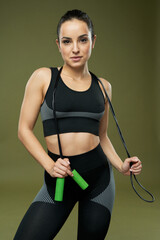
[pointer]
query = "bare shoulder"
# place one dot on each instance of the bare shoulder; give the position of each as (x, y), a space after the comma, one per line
(107, 86)
(39, 77)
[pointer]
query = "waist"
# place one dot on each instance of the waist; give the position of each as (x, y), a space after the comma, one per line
(72, 143)
(85, 161)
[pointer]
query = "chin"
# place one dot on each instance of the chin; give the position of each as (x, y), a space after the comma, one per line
(76, 64)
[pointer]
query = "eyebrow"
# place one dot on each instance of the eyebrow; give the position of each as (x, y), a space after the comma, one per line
(78, 37)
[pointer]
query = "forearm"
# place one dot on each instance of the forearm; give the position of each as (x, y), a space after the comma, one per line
(111, 153)
(34, 147)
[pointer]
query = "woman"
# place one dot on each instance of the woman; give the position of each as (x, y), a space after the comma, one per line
(82, 112)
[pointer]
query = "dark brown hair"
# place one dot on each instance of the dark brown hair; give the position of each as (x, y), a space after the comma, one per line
(77, 14)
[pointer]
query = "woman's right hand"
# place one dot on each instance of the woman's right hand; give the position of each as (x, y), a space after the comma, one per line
(61, 168)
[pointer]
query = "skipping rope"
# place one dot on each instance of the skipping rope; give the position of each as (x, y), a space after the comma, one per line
(121, 136)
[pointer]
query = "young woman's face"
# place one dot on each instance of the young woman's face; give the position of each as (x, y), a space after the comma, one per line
(75, 42)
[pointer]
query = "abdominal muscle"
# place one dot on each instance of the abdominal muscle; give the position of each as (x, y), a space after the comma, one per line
(72, 143)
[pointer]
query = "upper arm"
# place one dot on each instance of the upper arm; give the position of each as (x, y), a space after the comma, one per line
(32, 100)
(105, 119)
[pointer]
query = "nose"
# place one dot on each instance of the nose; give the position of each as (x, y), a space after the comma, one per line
(75, 47)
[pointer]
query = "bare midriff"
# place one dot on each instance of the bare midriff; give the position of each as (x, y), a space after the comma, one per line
(72, 143)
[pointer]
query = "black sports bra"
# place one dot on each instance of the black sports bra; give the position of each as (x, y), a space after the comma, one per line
(76, 111)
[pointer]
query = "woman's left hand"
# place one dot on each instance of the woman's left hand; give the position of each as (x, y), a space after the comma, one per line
(135, 168)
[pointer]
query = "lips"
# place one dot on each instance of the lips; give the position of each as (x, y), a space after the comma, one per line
(76, 57)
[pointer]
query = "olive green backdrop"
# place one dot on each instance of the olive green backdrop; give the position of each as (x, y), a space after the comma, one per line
(127, 55)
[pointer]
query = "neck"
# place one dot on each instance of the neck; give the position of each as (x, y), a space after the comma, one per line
(76, 73)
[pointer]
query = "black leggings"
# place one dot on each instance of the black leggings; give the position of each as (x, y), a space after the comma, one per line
(45, 216)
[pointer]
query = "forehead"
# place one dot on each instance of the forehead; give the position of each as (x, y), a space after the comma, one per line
(73, 28)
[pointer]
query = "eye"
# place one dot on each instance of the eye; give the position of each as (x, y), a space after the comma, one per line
(66, 41)
(84, 40)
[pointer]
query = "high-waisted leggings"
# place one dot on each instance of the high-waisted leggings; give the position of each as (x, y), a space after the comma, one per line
(45, 216)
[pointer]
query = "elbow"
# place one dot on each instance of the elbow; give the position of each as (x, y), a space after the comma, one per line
(21, 133)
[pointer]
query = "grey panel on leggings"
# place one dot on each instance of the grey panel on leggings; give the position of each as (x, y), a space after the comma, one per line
(106, 198)
(47, 113)
(43, 195)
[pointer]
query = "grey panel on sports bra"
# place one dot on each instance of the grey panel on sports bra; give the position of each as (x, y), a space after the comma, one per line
(96, 116)
(47, 113)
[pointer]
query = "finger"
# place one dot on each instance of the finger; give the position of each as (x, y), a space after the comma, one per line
(58, 175)
(63, 162)
(70, 173)
(135, 165)
(65, 167)
(68, 162)
(131, 160)
(60, 171)
(66, 172)
(134, 159)
(66, 159)
(137, 171)
(61, 167)
(69, 168)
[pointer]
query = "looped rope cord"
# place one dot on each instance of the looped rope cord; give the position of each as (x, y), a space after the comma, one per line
(124, 144)
(120, 133)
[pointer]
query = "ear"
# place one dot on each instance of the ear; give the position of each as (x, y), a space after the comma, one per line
(57, 42)
(94, 40)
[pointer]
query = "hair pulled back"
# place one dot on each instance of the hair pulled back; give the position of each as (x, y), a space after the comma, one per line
(76, 14)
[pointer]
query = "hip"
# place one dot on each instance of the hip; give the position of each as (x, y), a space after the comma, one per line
(93, 166)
